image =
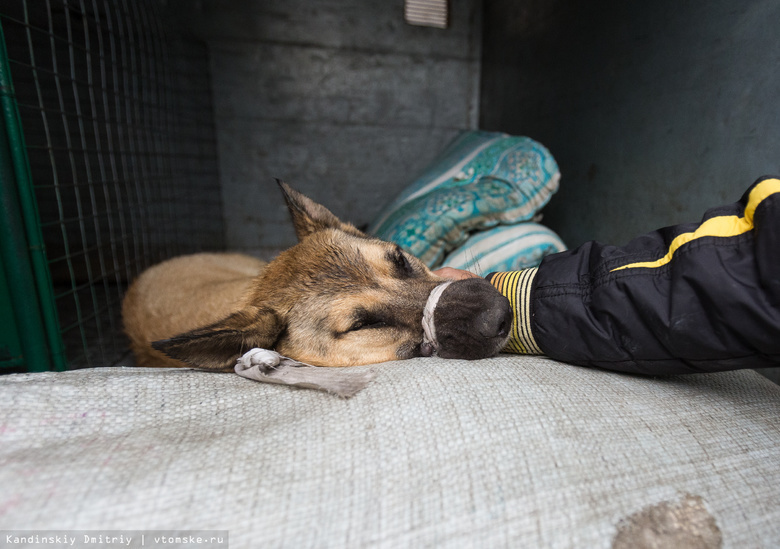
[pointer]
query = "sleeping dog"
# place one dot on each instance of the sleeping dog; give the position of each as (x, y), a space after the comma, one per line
(337, 298)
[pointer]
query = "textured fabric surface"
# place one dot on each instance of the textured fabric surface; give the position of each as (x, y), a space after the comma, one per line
(505, 248)
(505, 452)
(480, 180)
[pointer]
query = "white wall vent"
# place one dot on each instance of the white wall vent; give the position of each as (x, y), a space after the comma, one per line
(427, 13)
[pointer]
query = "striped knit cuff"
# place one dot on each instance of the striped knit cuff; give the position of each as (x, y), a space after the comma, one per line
(516, 286)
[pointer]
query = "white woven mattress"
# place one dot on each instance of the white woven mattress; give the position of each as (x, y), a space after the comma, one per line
(504, 452)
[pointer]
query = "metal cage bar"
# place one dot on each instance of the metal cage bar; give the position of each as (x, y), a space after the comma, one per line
(24, 256)
(116, 110)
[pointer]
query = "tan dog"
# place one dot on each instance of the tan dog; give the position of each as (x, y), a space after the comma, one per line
(337, 298)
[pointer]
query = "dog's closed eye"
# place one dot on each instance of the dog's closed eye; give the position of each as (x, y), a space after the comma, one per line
(360, 325)
(364, 320)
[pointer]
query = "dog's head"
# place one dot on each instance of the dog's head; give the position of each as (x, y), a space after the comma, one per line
(342, 298)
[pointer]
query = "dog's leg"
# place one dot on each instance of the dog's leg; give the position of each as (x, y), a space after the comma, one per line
(271, 367)
(263, 359)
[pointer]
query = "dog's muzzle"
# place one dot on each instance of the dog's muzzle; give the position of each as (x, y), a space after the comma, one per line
(430, 345)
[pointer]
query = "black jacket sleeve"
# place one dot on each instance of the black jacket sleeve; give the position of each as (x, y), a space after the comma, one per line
(698, 297)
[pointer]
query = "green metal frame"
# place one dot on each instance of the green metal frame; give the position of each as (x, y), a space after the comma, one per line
(36, 333)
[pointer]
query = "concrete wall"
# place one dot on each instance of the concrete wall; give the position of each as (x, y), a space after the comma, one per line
(654, 110)
(340, 98)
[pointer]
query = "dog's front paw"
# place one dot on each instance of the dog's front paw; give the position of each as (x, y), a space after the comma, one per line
(263, 359)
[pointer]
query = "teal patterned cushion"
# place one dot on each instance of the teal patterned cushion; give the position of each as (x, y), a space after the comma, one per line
(482, 179)
(505, 248)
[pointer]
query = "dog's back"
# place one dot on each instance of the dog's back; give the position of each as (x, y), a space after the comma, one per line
(182, 294)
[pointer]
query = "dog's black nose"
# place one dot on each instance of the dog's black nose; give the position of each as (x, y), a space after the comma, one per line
(472, 320)
(494, 322)
(506, 325)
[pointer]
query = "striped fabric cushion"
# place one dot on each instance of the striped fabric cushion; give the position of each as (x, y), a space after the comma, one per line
(505, 248)
(482, 179)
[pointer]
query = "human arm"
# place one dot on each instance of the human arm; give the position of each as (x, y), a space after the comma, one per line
(697, 297)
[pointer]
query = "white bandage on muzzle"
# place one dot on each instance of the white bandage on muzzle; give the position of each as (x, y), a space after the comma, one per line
(429, 329)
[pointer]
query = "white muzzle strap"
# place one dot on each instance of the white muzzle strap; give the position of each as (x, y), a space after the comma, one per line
(429, 329)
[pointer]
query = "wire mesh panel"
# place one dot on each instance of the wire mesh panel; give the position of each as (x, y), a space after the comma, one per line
(116, 111)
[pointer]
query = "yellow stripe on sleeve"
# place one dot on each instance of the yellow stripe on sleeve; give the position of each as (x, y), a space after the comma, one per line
(722, 226)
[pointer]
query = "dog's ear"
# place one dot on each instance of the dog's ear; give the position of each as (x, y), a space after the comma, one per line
(309, 217)
(218, 346)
